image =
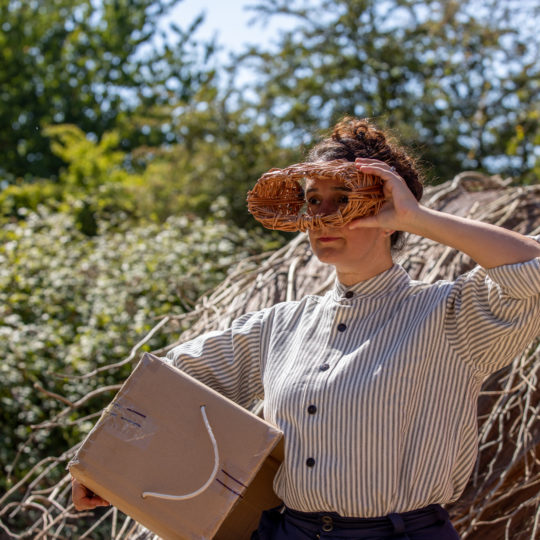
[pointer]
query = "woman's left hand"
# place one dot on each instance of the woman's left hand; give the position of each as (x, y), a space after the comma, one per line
(400, 205)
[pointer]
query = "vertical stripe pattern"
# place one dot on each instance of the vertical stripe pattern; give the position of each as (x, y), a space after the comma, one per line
(374, 386)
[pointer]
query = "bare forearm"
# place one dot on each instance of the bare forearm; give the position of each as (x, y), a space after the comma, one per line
(486, 244)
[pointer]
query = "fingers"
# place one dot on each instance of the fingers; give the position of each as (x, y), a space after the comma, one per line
(85, 499)
(395, 188)
(372, 221)
(376, 167)
(364, 222)
(371, 161)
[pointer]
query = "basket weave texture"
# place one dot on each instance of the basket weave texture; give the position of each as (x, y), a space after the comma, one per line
(278, 200)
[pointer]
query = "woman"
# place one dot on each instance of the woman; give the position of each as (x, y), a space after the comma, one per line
(375, 384)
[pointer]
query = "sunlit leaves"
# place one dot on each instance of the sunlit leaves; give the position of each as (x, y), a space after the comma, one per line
(91, 64)
(454, 78)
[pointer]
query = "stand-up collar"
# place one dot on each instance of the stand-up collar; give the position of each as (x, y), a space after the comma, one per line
(379, 285)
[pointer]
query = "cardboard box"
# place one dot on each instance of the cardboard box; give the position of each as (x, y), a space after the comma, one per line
(166, 433)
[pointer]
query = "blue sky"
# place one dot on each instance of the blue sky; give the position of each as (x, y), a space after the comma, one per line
(228, 19)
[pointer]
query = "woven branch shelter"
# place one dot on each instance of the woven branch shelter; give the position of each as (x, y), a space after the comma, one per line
(502, 499)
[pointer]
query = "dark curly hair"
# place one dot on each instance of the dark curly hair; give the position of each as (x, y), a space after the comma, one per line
(358, 138)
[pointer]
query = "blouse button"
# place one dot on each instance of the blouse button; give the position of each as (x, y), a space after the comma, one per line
(312, 409)
(342, 327)
(324, 367)
(349, 294)
(310, 462)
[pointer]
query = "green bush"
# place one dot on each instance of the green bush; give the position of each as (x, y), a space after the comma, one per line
(70, 303)
(94, 185)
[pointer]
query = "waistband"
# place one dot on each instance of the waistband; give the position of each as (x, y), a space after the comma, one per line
(394, 523)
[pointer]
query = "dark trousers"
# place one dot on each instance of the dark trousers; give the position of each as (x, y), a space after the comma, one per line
(430, 523)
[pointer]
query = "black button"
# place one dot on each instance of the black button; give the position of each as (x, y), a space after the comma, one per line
(324, 367)
(310, 462)
(312, 409)
(349, 294)
(342, 327)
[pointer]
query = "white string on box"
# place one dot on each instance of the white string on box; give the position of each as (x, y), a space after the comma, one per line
(193, 494)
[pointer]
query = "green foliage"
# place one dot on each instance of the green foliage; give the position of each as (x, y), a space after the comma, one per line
(17, 199)
(90, 164)
(221, 157)
(92, 186)
(457, 80)
(525, 142)
(69, 304)
(217, 161)
(96, 65)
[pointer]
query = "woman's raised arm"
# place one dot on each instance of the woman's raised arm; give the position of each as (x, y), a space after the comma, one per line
(490, 246)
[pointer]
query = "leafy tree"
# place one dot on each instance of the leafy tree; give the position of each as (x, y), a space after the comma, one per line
(458, 79)
(94, 186)
(219, 160)
(223, 153)
(97, 65)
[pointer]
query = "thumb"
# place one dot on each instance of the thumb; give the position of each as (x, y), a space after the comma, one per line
(364, 222)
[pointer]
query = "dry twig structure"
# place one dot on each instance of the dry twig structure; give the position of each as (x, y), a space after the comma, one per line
(502, 499)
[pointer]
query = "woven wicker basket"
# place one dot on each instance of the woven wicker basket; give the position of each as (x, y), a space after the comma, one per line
(278, 201)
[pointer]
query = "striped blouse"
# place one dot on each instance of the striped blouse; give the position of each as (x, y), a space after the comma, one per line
(375, 386)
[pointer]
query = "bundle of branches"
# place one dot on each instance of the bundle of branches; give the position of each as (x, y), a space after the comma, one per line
(502, 499)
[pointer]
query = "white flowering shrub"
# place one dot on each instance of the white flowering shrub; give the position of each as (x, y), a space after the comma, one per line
(70, 303)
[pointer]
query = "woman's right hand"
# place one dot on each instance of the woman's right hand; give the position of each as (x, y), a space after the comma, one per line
(400, 207)
(84, 498)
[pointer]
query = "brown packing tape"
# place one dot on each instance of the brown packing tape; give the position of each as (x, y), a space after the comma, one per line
(177, 456)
